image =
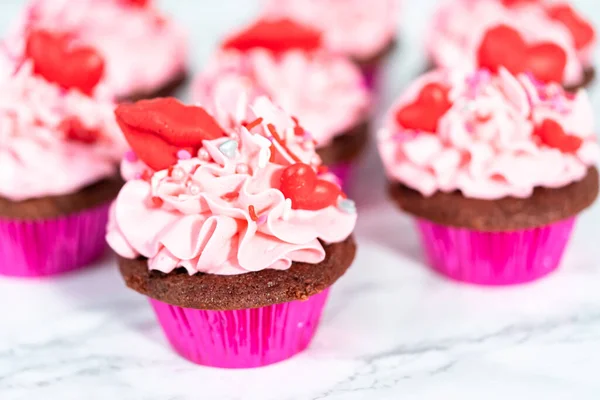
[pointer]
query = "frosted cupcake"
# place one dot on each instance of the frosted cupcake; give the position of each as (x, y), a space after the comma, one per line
(284, 61)
(547, 38)
(233, 234)
(365, 31)
(59, 150)
(495, 168)
(144, 50)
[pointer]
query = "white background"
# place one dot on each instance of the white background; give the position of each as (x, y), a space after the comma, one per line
(392, 329)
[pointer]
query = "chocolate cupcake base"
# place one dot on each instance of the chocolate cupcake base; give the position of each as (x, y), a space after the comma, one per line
(346, 147)
(236, 292)
(168, 89)
(544, 207)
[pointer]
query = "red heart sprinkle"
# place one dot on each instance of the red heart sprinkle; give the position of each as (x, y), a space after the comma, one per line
(278, 36)
(425, 112)
(56, 61)
(300, 183)
(157, 129)
(583, 33)
(504, 46)
(553, 135)
(76, 131)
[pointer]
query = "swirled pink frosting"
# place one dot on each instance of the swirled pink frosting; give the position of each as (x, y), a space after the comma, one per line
(324, 91)
(203, 221)
(36, 157)
(460, 25)
(143, 49)
(356, 28)
(485, 144)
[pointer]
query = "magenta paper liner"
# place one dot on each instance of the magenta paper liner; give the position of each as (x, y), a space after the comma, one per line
(246, 338)
(342, 171)
(495, 258)
(52, 246)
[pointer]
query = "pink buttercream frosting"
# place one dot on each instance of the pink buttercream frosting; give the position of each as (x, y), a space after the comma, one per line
(197, 215)
(485, 144)
(37, 157)
(142, 48)
(324, 91)
(356, 28)
(460, 25)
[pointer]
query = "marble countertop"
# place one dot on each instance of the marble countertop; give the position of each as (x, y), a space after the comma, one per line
(391, 330)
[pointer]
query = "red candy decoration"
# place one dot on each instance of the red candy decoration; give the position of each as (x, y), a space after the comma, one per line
(583, 33)
(57, 61)
(76, 131)
(424, 113)
(277, 36)
(300, 183)
(157, 129)
(504, 46)
(553, 135)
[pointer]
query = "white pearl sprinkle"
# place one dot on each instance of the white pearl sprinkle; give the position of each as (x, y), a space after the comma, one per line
(242, 169)
(177, 174)
(203, 154)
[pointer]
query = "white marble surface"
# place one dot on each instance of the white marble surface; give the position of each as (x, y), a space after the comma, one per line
(391, 330)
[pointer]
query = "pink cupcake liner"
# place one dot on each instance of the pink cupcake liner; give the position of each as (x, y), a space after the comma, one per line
(52, 246)
(343, 172)
(246, 338)
(495, 258)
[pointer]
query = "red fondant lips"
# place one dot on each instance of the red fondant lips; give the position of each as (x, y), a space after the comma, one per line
(425, 112)
(157, 129)
(552, 134)
(277, 36)
(136, 3)
(300, 183)
(582, 32)
(57, 61)
(512, 3)
(504, 46)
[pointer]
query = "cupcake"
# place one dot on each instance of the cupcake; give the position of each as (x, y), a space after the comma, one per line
(495, 168)
(365, 31)
(233, 234)
(285, 61)
(545, 38)
(59, 150)
(157, 67)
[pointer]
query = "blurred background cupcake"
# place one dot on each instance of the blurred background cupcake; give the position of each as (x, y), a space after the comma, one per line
(548, 39)
(495, 168)
(59, 150)
(286, 62)
(364, 31)
(235, 237)
(145, 51)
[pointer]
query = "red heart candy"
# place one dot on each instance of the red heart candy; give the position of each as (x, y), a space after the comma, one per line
(277, 36)
(76, 131)
(553, 135)
(504, 46)
(424, 113)
(71, 68)
(157, 129)
(583, 33)
(300, 183)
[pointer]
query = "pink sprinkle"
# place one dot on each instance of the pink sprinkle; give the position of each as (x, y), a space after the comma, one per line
(184, 155)
(138, 176)
(131, 156)
(262, 219)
